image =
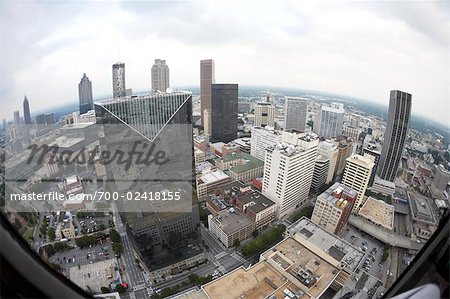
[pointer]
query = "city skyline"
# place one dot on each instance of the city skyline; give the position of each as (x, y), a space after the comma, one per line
(395, 38)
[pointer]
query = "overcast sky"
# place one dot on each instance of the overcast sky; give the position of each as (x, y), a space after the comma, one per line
(360, 49)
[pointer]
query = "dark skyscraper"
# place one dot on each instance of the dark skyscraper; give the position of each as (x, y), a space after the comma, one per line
(224, 112)
(26, 112)
(85, 94)
(395, 134)
(206, 79)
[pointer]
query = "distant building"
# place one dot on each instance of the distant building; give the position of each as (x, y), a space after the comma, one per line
(26, 112)
(356, 176)
(395, 134)
(49, 118)
(207, 78)
(333, 208)
(288, 171)
(264, 114)
(244, 144)
(85, 95)
(440, 181)
(244, 107)
(160, 75)
(224, 100)
(221, 149)
(295, 110)
(261, 139)
(17, 117)
(345, 148)
(331, 118)
(118, 74)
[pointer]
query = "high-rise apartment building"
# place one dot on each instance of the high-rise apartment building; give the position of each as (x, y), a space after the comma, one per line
(288, 171)
(207, 78)
(321, 167)
(395, 134)
(329, 150)
(261, 139)
(331, 118)
(372, 150)
(333, 208)
(357, 175)
(160, 75)
(26, 112)
(17, 117)
(295, 110)
(85, 94)
(264, 114)
(345, 149)
(118, 77)
(224, 102)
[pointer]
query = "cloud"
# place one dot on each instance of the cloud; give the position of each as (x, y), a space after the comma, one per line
(361, 49)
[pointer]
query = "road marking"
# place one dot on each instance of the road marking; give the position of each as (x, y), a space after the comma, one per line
(220, 255)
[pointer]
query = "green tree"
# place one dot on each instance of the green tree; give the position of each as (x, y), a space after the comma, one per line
(236, 243)
(120, 289)
(114, 235)
(105, 290)
(51, 233)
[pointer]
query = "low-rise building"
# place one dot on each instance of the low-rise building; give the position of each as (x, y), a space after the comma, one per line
(383, 186)
(378, 212)
(241, 167)
(208, 178)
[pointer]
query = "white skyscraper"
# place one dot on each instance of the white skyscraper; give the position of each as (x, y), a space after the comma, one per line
(295, 110)
(357, 176)
(288, 171)
(264, 114)
(331, 118)
(118, 74)
(329, 150)
(160, 75)
(261, 139)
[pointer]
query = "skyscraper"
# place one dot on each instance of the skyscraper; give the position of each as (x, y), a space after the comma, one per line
(118, 74)
(329, 150)
(440, 181)
(261, 139)
(331, 118)
(321, 167)
(207, 78)
(17, 117)
(264, 114)
(357, 175)
(224, 102)
(85, 94)
(26, 112)
(288, 171)
(160, 75)
(395, 134)
(295, 110)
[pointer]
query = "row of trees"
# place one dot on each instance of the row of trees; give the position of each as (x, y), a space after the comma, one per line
(306, 211)
(51, 249)
(264, 241)
(116, 241)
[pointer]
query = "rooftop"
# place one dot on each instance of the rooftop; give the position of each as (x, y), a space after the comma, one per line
(147, 96)
(344, 253)
(232, 220)
(378, 212)
(257, 202)
(338, 195)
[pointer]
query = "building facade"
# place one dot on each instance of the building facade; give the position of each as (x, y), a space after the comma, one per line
(357, 175)
(321, 167)
(224, 101)
(331, 119)
(288, 171)
(261, 139)
(85, 95)
(329, 150)
(333, 208)
(207, 78)
(118, 78)
(264, 114)
(395, 134)
(295, 110)
(160, 75)
(26, 112)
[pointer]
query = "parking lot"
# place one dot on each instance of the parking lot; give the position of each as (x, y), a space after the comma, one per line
(92, 224)
(372, 247)
(79, 257)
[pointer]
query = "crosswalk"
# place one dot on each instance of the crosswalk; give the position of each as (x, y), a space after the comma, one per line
(238, 257)
(220, 255)
(220, 267)
(139, 287)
